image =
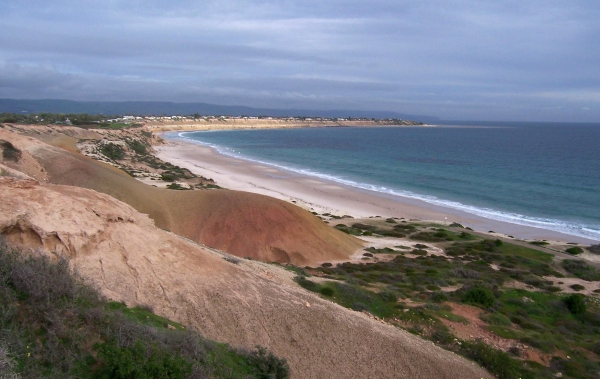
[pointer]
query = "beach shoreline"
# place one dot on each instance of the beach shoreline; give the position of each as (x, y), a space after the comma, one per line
(324, 196)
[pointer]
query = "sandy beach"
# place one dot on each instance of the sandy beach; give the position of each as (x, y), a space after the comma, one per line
(322, 196)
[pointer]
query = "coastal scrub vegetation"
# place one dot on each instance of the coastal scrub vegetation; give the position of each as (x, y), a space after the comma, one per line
(113, 151)
(55, 325)
(75, 119)
(421, 291)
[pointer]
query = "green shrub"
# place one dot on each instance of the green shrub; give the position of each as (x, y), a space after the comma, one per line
(479, 296)
(327, 291)
(348, 230)
(576, 303)
(363, 226)
(496, 319)
(388, 296)
(574, 250)
(442, 336)
(439, 297)
(137, 146)
(429, 236)
(268, 366)
(496, 361)
(307, 284)
(139, 362)
(577, 287)
(168, 177)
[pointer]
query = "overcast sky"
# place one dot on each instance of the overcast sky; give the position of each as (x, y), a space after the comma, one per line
(535, 60)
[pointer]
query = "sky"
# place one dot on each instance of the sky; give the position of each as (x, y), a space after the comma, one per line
(503, 60)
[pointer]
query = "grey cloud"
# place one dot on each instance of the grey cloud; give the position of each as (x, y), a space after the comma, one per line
(452, 59)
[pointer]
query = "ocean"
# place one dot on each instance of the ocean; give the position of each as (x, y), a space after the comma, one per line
(544, 175)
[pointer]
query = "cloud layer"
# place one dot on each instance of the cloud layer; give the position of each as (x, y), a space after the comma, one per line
(455, 59)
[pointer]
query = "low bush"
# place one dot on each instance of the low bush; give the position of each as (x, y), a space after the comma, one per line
(576, 303)
(577, 287)
(140, 362)
(479, 296)
(496, 361)
(307, 284)
(349, 230)
(137, 146)
(496, 319)
(574, 250)
(268, 366)
(439, 297)
(388, 296)
(168, 177)
(364, 226)
(442, 336)
(430, 237)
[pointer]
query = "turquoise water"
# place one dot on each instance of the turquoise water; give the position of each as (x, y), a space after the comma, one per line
(542, 175)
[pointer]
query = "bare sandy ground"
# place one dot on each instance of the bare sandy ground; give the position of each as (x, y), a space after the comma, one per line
(326, 196)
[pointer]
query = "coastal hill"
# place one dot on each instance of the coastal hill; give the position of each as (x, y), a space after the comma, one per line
(243, 224)
(241, 302)
(170, 109)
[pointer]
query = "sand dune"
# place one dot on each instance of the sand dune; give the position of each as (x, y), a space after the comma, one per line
(120, 251)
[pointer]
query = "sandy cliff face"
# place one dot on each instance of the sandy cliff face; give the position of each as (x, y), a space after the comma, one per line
(244, 224)
(248, 303)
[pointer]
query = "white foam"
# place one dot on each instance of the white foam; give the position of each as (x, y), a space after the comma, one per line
(580, 230)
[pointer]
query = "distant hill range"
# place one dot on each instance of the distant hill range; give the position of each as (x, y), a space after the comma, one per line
(156, 108)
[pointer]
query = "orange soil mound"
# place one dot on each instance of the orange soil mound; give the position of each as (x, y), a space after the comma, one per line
(120, 251)
(244, 224)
